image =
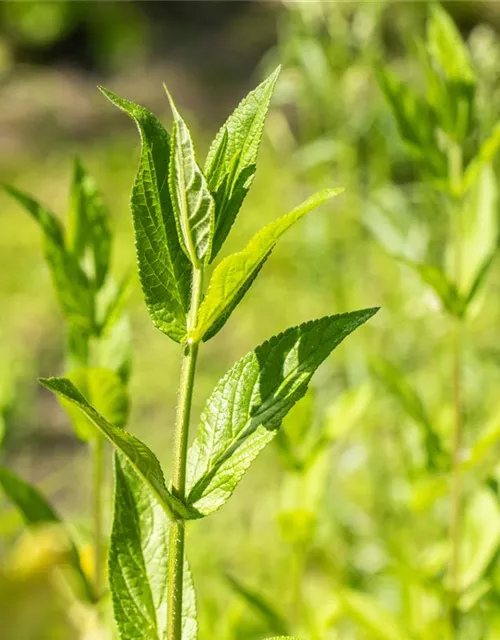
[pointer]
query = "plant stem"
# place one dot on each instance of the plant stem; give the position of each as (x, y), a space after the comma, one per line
(97, 489)
(455, 172)
(456, 498)
(177, 529)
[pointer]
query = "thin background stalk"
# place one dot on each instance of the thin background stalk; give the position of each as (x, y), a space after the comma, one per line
(177, 529)
(97, 506)
(97, 462)
(455, 172)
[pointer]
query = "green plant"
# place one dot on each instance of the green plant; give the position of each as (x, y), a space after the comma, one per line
(182, 216)
(97, 353)
(441, 132)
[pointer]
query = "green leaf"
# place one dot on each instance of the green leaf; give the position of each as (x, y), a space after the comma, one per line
(76, 225)
(49, 224)
(245, 410)
(390, 217)
(447, 47)
(485, 156)
(230, 164)
(142, 459)
(164, 269)
(445, 290)
(114, 349)
(478, 235)
(346, 411)
(481, 537)
(292, 439)
(451, 78)
(105, 392)
(415, 122)
(35, 510)
(485, 444)
(427, 489)
(32, 505)
(88, 223)
(138, 562)
(366, 611)
(114, 304)
(396, 383)
(71, 284)
(275, 621)
(3, 426)
(193, 202)
(474, 595)
(233, 276)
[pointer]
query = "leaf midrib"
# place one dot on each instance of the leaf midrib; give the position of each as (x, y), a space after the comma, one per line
(185, 220)
(255, 420)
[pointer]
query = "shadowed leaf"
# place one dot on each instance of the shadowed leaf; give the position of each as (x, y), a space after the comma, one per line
(138, 562)
(164, 269)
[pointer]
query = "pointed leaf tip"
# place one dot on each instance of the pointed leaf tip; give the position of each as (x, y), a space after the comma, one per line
(231, 160)
(192, 200)
(245, 410)
(234, 275)
(164, 269)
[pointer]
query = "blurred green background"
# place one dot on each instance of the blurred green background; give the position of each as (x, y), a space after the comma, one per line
(369, 516)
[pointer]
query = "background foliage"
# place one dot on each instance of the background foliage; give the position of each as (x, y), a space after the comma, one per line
(341, 530)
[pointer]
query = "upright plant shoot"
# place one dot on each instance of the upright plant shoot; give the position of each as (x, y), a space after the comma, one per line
(182, 215)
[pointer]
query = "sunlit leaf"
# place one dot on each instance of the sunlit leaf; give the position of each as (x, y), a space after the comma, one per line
(233, 276)
(141, 458)
(481, 537)
(477, 239)
(114, 350)
(112, 309)
(474, 595)
(245, 410)
(454, 77)
(372, 617)
(485, 156)
(484, 445)
(230, 164)
(193, 202)
(447, 47)
(105, 391)
(346, 411)
(445, 290)
(292, 439)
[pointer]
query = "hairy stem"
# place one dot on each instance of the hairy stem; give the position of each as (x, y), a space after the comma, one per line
(177, 529)
(97, 498)
(455, 173)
